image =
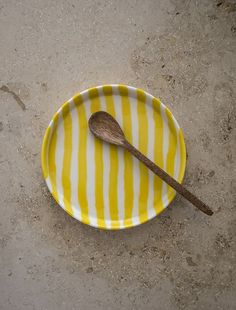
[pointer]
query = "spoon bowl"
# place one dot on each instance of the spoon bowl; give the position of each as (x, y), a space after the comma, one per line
(105, 127)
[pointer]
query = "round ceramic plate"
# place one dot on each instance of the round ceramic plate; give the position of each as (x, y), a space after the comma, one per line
(103, 185)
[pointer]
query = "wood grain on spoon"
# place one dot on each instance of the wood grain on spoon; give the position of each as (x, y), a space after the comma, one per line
(106, 128)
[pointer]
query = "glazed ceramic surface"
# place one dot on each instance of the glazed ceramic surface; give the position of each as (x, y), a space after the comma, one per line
(103, 185)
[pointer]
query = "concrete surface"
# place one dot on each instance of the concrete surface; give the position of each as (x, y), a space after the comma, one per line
(180, 51)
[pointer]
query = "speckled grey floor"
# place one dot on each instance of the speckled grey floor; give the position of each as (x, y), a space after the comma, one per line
(180, 51)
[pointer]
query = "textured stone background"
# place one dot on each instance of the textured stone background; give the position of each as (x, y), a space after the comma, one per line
(180, 51)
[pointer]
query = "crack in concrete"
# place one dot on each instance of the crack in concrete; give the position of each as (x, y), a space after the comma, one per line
(6, 89)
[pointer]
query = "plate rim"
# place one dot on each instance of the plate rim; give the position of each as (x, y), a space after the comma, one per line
(44, 151)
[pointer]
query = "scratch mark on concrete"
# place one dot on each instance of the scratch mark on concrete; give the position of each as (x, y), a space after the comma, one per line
(5, 89)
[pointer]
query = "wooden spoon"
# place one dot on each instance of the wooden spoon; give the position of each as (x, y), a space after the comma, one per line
(106, 128)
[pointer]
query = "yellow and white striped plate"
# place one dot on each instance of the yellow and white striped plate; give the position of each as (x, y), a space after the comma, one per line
(103, 185)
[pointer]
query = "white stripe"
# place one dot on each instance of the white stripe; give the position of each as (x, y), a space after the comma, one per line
(177, 154)
(90, 168)
(150, 153)
(74, 162)
(51, 129)
(106, 170)
(165, 151)
(135, 141)
(120, 189)
(48, 181)
(59, 158)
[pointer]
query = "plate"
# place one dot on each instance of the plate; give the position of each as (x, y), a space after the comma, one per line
(103, 185)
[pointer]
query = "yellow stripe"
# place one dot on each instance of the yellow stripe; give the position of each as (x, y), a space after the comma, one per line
(182, 155)
(158, 153)
(52, 158)
(82, 158)
(170, 161)
(66, 182)
(44, 153)
(98, 158)
(113, 177)
(143, 147)
(128, 160)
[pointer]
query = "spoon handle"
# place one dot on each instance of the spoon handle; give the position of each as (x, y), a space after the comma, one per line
(168, 179)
